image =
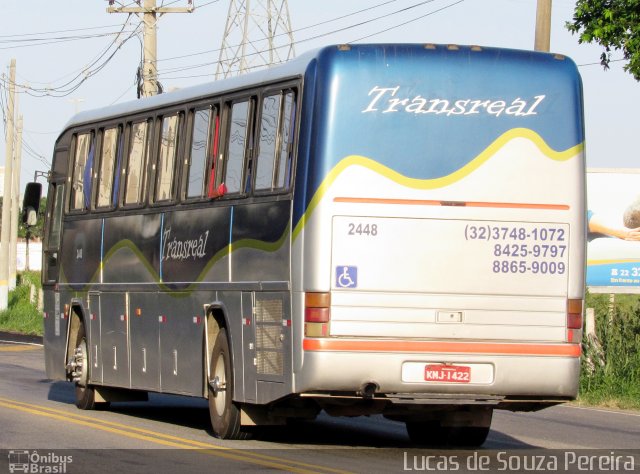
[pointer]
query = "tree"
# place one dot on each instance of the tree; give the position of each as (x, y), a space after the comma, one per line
(615, 25)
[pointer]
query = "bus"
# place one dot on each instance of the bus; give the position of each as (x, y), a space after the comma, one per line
(390, 229)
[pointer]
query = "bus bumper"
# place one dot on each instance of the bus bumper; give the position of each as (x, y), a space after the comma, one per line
(535, 371)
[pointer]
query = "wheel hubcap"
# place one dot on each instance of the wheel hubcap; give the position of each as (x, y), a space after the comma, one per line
(77, 366)
(219, 385)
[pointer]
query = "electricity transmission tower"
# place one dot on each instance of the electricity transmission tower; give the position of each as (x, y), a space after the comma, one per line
(257, 34)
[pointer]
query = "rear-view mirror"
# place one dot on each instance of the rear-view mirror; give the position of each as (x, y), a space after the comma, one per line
(31, 204)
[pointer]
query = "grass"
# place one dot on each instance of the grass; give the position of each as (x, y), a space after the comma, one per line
(22, 316)
(611, 365)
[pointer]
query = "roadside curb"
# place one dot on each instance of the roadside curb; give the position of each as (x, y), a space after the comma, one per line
(23, 338)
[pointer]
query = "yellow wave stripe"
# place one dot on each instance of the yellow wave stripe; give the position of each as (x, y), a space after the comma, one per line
(435, 183)
(165, 286)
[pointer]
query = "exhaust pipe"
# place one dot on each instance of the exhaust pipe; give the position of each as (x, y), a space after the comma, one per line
(368, 390)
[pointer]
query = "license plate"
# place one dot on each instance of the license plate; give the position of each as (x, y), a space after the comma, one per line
(447, 373)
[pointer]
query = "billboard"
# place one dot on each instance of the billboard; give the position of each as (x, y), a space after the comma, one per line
(613, 247)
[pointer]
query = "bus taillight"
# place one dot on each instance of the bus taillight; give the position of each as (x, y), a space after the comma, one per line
(574, 321)
(317, 314)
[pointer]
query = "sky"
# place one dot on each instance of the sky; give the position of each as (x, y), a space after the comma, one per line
(59, 45)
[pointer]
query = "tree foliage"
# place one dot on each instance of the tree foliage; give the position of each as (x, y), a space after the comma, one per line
(615, 25)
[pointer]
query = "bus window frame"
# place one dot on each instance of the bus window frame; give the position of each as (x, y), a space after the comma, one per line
(98, 172)
(282, 90)
(295, 132)
(251, 97)
(68, 210)
(50, 214)
(54, 225)
(153, 162)
(129, 123)
(210, 159)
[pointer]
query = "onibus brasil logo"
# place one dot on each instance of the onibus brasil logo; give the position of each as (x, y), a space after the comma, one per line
(22, 460)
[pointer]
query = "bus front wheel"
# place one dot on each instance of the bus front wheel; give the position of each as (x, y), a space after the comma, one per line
(224, 412)
(79, 367)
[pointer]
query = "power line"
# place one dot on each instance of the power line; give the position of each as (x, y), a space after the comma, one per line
(60, 89)
(82, 76)
(321, 35)
(295, 31)
(205, 5)
(81, 70)
(53, 40)
(59, 31)
(599, 63)
(366, 22)
(409, 21)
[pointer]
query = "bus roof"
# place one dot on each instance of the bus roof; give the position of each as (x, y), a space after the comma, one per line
(293, 68)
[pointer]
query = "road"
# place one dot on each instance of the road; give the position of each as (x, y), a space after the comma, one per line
(171, 434)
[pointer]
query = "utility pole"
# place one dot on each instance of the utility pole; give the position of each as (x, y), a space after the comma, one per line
(149, 69)
(13, 252)
(6, 200)
(258, 33)
(543, 26)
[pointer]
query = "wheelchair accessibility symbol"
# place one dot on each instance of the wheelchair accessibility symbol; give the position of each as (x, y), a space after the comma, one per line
(346, 277)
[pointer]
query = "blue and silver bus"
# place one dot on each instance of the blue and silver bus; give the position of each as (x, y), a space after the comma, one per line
(393, 229)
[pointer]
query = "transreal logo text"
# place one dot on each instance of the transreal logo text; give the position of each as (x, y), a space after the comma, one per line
(387, 100)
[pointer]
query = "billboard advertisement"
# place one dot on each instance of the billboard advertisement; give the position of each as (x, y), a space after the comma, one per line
(613, 248)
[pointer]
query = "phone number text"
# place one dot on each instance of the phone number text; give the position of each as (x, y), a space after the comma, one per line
(523, 266)
(506, 233)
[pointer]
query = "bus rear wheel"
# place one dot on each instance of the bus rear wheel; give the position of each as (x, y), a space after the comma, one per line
(224, 412)
(471, 433)
(432, 434)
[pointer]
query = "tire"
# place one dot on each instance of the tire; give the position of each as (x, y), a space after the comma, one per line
(432, 433)
(468, 436)
(224, 412)
(427, 433)
(85, 394)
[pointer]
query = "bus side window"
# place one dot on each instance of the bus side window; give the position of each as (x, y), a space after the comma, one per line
(237, 147)
(197, 162)
(136, 161)
(53, 232)
(287, 138)
(56, 192)
(166, 159)
(82, 166)
(107, 166)
(215, 187)
(266, 158)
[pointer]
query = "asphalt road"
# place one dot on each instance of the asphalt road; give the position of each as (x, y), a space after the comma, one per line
(39, 423)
